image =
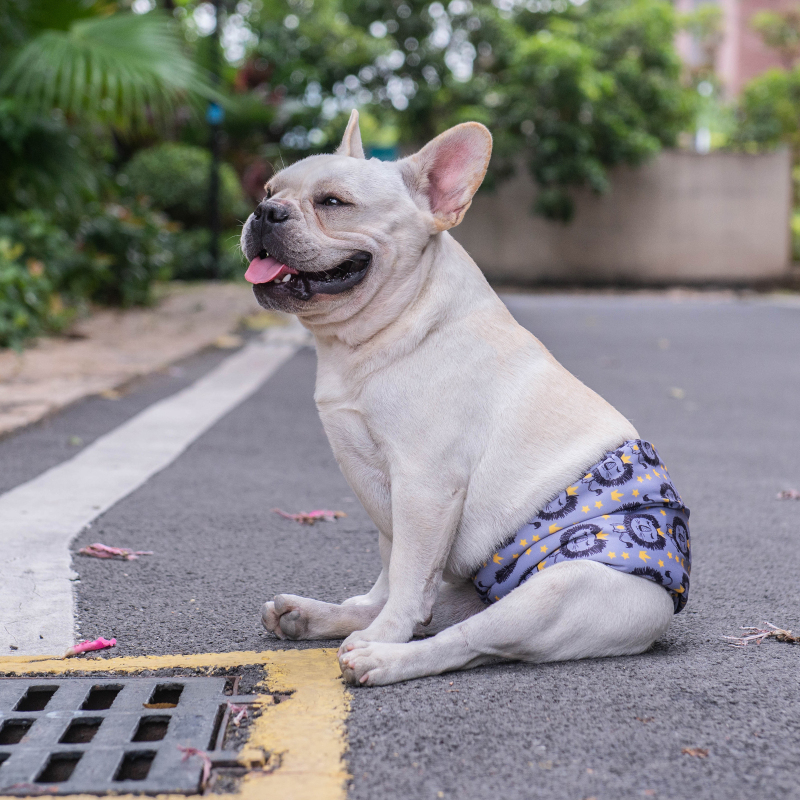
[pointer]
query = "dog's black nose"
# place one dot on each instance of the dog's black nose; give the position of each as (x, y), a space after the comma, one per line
(271, 211)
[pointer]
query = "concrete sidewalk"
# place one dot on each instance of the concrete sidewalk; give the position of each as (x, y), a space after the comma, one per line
(111, 347)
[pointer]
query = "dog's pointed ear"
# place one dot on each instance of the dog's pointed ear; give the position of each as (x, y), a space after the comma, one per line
(351, 141)
(447, 172)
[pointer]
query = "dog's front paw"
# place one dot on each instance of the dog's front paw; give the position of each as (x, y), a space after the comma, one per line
(285, 617)
(371, 663)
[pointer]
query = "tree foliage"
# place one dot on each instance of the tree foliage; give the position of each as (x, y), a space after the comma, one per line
(567, 90)
(125, 69)
(769, 110)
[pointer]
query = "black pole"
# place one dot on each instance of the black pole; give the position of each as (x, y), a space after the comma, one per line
(214, 117)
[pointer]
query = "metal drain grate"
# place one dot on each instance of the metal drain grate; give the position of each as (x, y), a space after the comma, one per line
(107, 735)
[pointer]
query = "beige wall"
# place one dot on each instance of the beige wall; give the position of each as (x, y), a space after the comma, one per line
(685, 218)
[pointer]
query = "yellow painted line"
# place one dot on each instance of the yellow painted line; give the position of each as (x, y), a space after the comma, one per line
(307, 731)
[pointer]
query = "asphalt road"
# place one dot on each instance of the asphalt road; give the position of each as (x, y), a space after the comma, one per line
(713, 383)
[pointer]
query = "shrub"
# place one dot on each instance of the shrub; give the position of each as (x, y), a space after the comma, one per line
(191, 256)
(28, 304)
(125, 250)
(114, 255)
(42, 163)
(175, 178)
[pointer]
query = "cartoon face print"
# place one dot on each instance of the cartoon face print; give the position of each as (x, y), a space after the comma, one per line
(643, 529)
(647, 454)
(665, 492)
(560, 507)
(680, 533)
(668, 493)
(611, 468)
(581, 541)
(614, 470)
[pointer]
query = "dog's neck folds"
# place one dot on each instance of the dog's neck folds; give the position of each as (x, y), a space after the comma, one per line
(444, 285)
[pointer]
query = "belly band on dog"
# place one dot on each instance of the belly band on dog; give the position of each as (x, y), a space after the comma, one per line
(624, 513)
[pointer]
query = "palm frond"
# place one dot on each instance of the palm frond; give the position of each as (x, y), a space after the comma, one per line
(124, 69)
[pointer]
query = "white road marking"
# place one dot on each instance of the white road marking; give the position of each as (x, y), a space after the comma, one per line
(40, 518)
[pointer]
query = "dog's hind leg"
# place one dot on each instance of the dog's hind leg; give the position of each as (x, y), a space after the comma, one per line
(568, 611)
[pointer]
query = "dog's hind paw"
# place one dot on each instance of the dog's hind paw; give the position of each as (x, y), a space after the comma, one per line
(270, 619)
(285, 617)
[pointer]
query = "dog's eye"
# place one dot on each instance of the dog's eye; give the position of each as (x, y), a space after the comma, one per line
(333, 201)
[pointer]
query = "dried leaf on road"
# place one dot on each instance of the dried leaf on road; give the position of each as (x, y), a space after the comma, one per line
(757, 635)
(310, 517)
(240, 712)
(98, 550)
(696, 752)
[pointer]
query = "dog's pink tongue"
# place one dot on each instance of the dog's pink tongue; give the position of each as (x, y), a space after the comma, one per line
(263, 270)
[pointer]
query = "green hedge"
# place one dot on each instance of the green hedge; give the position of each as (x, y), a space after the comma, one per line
(175, 178)
(28, 304)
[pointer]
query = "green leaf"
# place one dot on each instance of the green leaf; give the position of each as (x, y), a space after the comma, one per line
(125, 69)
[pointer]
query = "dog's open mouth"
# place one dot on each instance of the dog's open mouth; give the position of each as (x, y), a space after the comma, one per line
(267, 273)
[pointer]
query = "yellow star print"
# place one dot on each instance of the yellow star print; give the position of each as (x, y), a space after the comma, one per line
(640, 479)
(543, 548)
(635, 492)
(528, 552)
(598, 504)
(497, 558)
(585, 509)
(535, 538)
(572, 491)
(625, 555)
(648, 477)
(656, 474)
(602, 536)
(515, 555)
(612, 555)
(663, 513)
(523, 543)
(606, 516)
(644, 556)
(554, 529)
(616, 496)
(660, 563)
(626, 459)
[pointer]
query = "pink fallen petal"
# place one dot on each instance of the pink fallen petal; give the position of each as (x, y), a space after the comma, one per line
(788, 494)
(239, 711)
(193, 751)
(310, 517)
(98, 550)
(85, 647)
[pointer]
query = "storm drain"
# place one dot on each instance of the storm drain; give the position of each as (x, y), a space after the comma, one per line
(108, 736)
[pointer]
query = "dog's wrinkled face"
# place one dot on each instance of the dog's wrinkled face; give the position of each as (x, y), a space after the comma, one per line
(335, 230)
(326, 226)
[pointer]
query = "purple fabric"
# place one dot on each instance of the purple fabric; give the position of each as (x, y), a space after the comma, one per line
(624, 513)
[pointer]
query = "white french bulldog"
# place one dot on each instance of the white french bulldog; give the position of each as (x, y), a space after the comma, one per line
(451, 422)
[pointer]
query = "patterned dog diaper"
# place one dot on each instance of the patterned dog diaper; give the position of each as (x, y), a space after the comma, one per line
(624, 512)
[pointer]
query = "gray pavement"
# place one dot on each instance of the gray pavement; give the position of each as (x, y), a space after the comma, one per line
(714, 384)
